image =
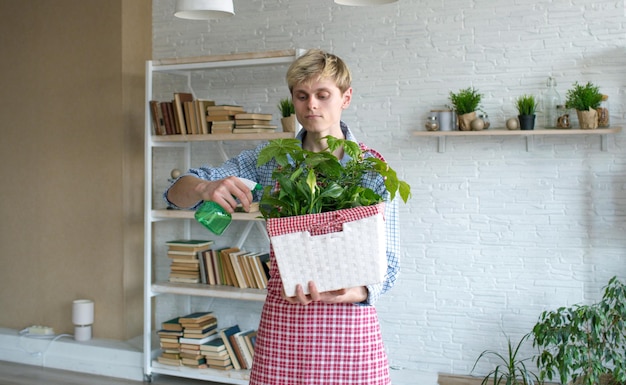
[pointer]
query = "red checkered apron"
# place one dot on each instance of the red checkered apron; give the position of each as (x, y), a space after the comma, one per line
(325, 344)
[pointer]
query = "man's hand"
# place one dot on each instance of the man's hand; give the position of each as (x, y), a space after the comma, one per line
(188, 190)
(351, 295)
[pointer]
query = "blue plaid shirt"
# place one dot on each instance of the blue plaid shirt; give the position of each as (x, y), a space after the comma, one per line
(245, 166)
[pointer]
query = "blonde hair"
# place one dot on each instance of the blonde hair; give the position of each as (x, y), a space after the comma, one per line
(316, 64)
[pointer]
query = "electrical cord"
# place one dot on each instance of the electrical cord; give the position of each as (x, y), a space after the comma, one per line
(24, 333)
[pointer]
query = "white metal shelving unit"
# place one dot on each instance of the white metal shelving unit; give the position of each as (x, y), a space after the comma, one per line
(186, 67)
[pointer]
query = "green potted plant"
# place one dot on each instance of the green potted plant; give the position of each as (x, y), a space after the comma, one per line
(511, 369)
(465, 103)
(321, 215)
(526, 108)
(586, 343)
(315, 182)
(585, 99)
(287, 113)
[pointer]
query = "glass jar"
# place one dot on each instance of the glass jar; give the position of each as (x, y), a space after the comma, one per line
(603, 112)
(562, 117)
(550, 100)
(432, 124)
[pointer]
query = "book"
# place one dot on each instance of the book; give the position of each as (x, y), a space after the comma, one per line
(172, 325)
(257, 116)
(188, 245)
(250, 339)
(225, 336)
(220, 118)
(217, 267)
(214, 345)
(241, 349)
(201, 111)
(196, 318)
(225, 107)
(243, 122)
(179, 105)
(240, 279)
(158, 121)
(202, 267)
(198, 341)
(169, 361)
(256, 130)
(169, 118)
(190, 117)
(229, 272)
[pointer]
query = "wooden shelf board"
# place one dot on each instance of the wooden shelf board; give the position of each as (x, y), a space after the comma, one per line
(227, 57)
(504, 132)
(189, 214)
(222, 137)
(214, 291)
(220, 376)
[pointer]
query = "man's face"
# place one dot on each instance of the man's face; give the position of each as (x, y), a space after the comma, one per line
(319, 104)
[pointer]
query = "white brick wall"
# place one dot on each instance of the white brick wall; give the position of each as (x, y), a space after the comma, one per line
(494, 234)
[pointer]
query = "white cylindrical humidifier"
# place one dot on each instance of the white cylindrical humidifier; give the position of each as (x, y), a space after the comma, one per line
(82, 318)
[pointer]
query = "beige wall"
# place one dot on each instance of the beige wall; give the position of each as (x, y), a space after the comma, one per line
(71, 161)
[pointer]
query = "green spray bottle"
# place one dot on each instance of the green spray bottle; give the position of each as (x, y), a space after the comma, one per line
(214, 217)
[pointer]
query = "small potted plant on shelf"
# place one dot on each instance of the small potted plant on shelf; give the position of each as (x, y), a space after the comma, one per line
(526, 108)
(317, 197)
(585, 99)
(287, 113)
(586, 343)
(465, 103)
(511, 369)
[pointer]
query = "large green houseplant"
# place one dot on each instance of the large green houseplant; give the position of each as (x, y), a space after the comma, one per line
(315, 182)
(586, 343)
(585, 99)
(511, 369)
(465, 103)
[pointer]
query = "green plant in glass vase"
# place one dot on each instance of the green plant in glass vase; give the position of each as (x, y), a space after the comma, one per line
(315, 182)
(585, 342)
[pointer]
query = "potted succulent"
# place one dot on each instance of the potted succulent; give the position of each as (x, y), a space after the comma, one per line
(287, 113)
(321, 215)
(586, 343)
(585, 99)
(511, 369)
(526, 108)
(465, 103)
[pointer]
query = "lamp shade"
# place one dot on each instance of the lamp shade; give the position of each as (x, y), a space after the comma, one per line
(364, 2)
(82, 312)
(204, 9)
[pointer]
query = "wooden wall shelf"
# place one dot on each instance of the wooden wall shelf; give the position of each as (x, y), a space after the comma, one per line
(529, 134)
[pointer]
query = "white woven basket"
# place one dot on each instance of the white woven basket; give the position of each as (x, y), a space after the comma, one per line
(352, 257)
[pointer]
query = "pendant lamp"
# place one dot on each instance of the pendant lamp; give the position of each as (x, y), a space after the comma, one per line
(204, 9)
(364, 2)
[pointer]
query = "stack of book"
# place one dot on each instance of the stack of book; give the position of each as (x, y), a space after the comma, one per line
(216, 355)
(183, 115)
(221, 119)
(253, 123)
(185, 263)
(169, 335)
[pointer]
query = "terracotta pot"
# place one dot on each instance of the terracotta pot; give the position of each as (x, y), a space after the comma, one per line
(588, 119)
(465, 121)
(288, 123)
